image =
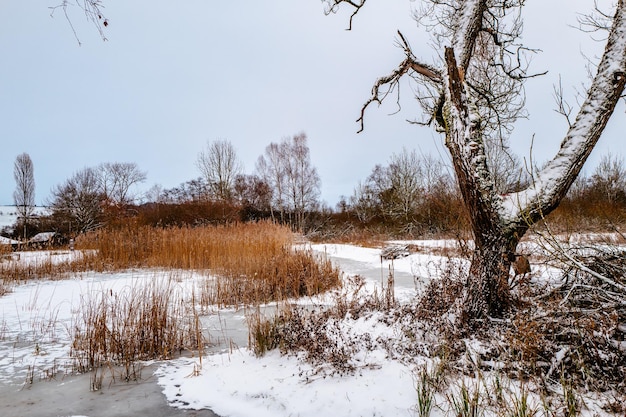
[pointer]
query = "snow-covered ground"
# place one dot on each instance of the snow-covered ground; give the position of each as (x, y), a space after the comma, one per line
(8, 214)
(37, 318)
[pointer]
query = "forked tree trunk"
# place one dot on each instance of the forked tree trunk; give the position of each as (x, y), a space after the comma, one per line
(499, 222)
(487, 288)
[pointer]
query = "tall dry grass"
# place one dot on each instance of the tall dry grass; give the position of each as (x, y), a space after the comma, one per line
(21, 266)
(250, 263)
(141, 322)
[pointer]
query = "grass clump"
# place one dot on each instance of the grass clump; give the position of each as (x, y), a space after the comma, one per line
(57, 264)
(425, 389)
(141, 322)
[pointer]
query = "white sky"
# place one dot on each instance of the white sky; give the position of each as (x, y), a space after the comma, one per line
(173, 75)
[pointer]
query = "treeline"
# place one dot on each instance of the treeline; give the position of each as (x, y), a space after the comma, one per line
(411, 196)
(284, 187)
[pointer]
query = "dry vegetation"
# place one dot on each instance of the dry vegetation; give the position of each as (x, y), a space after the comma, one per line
(572, 334)
(559, 341)
(251, 263)
(118, 328)
(56, 264)
(243, 264)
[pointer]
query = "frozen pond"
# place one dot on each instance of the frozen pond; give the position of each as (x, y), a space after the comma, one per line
(36, 320)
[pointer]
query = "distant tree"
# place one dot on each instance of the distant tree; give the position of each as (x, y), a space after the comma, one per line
(251, 191)
(295, 184)
(219, 166)
(194, 190)
(116, 180)
(154, 194)
(609, 179)
(303, 183)
(271, 168)
(78, 202)
(24, 194)
(405, 181)
(402, 192)
(507, 171)
(365, 200)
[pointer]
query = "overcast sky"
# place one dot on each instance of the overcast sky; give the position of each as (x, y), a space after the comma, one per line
(173, 75)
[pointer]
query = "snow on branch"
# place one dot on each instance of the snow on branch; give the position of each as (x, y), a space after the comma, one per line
(553, 181)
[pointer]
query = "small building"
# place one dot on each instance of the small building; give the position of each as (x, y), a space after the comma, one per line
(5, 241)
(44, 239)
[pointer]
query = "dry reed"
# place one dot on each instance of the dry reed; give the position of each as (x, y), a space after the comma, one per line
(250, 263)
(54, 265)
(141, 322)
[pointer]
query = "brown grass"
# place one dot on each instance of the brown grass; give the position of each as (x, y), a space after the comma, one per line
(250, 263)
(13, 270)
(142, 322)
(247, 264)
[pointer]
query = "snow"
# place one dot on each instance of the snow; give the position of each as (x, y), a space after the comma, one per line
(8, 215)
(43, 257)
(42, 237)
(583, 133)
(7, 241)
(36, 320)
(240, 384)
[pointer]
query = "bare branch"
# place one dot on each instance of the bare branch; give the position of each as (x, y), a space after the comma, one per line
(602, 96)
(597, 21)
(93, 13)
(333, 5)
(564, 108)
(392, 80)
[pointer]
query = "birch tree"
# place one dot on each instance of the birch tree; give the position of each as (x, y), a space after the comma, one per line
(295, 184)
(472, 93)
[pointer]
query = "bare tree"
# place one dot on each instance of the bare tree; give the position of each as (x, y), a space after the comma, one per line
(609, 178)
(78, 201)
(252, 192)
(472, 93)
(405, 175)
(303, 180)
(286, 167)
(507, 171)
(271, 168)
(368, 198)
(393, 191)
(219, 166)
(24, 194)
(116, 180)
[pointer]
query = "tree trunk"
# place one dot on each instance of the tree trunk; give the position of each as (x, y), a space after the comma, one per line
(487, 290)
